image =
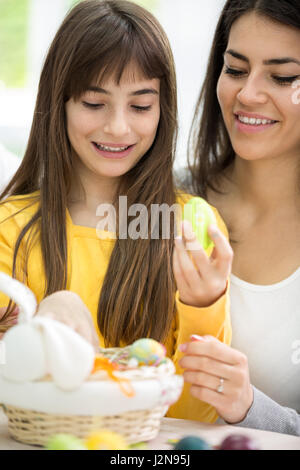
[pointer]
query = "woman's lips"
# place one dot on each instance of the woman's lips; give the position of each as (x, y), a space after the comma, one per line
(252, 128)
(113, 155)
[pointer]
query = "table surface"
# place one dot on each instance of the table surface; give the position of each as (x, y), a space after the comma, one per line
(178, 428)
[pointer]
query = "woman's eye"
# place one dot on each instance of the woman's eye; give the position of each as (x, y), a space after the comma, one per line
(234, 72)
(140, 109)
(285, 80)
(92, 105)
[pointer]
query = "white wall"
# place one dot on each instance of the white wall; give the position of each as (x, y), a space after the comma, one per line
(190, 26)
(45, 19)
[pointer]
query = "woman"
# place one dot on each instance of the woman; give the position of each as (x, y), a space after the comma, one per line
(246, 162)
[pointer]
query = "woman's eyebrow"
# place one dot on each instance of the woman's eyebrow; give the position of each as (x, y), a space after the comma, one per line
(280, 61)
(277, 61)
(145, 91)
(237, 55)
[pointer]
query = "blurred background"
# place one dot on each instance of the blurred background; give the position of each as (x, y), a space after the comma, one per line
(27, 28)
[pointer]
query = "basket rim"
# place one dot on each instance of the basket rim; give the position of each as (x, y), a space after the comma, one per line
(103, 398)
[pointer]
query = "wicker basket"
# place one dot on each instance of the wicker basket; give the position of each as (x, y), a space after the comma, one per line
(79, 413)
(34, 428)
(38, 408)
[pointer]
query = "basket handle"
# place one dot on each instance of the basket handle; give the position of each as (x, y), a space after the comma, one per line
(21, 295)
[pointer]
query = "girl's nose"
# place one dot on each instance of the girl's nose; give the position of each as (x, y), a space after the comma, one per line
(117, 124)
(253, 92)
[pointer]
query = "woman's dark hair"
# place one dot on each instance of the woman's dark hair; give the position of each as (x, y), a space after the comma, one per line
(210, 149)
(98, 39)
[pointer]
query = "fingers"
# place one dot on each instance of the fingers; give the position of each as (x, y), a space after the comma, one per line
(215, 399)
(201, 379)
(212, 348)
(195, 250)
(190, 247)
(222, 253)
(185, 267)
(207, 365)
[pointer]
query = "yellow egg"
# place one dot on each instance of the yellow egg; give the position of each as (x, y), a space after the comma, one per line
(105, 440)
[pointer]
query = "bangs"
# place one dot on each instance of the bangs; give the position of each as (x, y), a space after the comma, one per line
(132, 51)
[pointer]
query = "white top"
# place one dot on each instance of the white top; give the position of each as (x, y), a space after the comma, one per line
(266, 327)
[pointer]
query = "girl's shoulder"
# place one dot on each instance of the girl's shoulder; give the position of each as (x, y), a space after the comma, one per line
(183, 198)
(19, 207)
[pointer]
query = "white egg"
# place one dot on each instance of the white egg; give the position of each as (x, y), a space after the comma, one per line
(24, 354)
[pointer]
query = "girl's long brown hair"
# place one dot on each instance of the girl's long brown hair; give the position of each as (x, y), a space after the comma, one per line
(210, 149)
(99, 39)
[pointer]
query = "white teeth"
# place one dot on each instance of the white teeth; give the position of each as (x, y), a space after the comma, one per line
(253, 121)
(111, 149)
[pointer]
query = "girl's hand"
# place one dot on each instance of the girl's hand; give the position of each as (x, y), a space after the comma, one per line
(201, 281)
(10, 321)
(210, 364)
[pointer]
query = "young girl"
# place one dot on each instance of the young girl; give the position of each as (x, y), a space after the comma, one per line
(247, 152)
(104, 127)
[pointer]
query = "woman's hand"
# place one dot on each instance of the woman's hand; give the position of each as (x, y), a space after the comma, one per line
(10, 321)
(201, 280)
(211, 365)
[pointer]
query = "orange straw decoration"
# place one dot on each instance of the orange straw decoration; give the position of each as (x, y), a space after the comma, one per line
(102, 363)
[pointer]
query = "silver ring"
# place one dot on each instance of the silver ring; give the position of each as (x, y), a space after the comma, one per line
(220, 388)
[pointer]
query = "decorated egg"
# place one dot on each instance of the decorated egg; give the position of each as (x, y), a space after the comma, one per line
(147, 351)
(65, 442)
(192, 443)
(105, 440)
(200, 215)
(238, 442)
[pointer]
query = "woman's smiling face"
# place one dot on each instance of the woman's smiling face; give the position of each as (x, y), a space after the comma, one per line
(112, 126)
(257, 89)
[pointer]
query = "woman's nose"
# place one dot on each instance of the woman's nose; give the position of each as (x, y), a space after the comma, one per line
(117, 124)
(253, 92)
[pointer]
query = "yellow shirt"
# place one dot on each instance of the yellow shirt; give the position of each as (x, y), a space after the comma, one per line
(88, 258)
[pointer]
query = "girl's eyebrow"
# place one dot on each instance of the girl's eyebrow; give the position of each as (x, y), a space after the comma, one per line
(145, 91)
(278, 61)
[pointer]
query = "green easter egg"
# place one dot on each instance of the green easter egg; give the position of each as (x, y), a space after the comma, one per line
(64, 442)
(200, 215)
(192, 443)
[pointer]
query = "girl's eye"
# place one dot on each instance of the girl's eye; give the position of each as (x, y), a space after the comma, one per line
(285, 80)
(92, 105)
(234, 72)
(140, 109)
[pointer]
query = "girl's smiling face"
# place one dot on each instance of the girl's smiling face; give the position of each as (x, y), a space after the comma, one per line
(255, 92)
(111, 126)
